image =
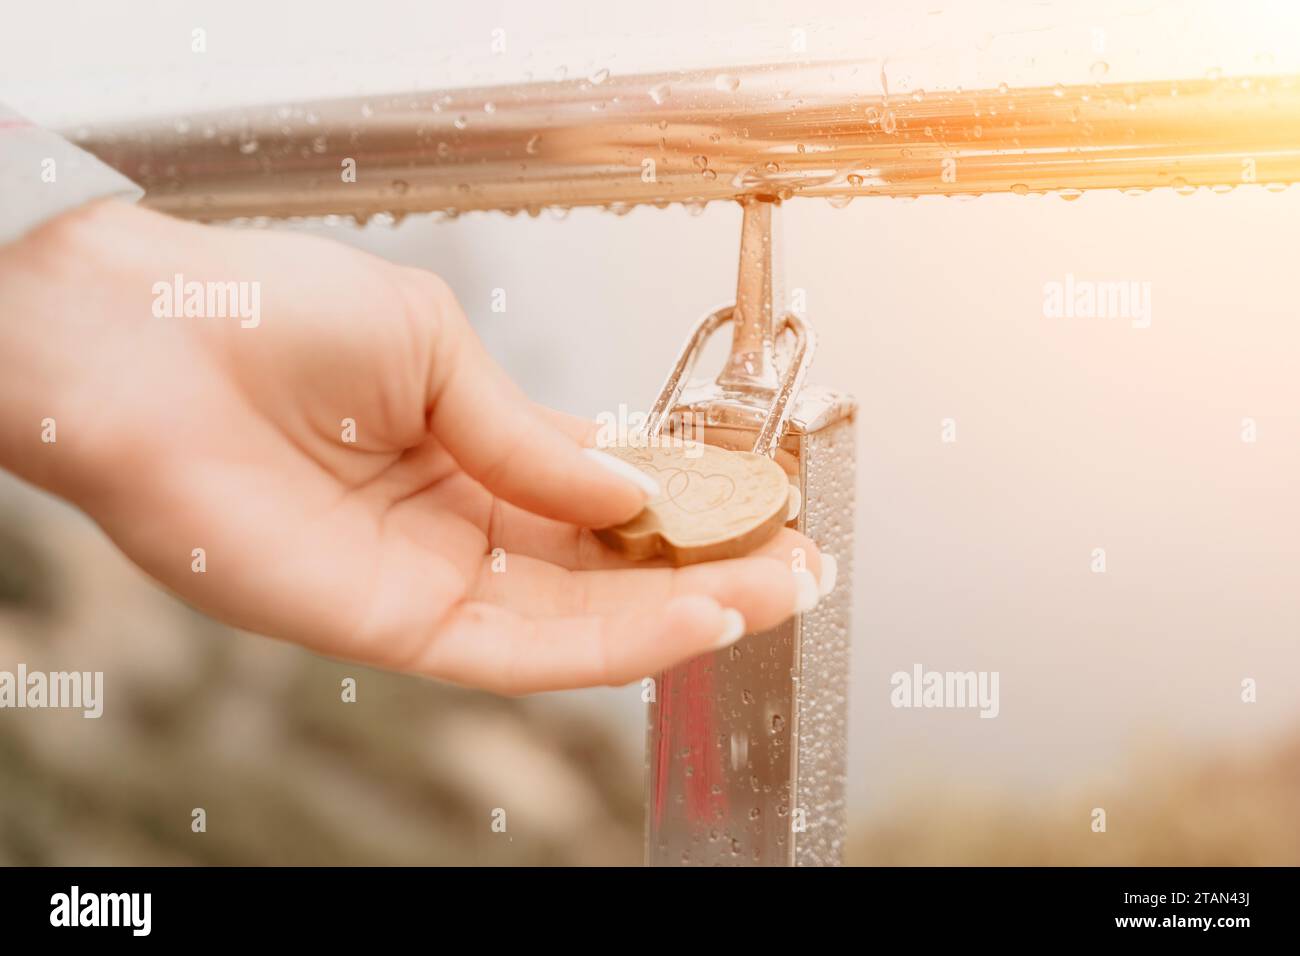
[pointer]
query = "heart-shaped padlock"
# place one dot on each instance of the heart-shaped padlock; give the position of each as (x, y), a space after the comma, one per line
(713, 502)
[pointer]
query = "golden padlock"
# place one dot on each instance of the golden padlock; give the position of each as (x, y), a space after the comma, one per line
(714, 503)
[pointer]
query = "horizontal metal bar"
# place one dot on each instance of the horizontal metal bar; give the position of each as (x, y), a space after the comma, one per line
(807, 130)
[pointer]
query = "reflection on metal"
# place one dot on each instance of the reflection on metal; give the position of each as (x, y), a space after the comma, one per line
(746, 747)
(809, 130)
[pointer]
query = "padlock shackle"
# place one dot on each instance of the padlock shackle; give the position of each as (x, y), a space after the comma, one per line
(751, 366)
(769, 436)
(782, 399)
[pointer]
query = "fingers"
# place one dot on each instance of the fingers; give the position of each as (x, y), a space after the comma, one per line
(500, 439)
(503, 651)
(528, 625)
(766, 591)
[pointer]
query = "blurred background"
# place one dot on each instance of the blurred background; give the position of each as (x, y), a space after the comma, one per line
(1119, 690)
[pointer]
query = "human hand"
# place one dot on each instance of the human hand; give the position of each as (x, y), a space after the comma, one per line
(187, 433)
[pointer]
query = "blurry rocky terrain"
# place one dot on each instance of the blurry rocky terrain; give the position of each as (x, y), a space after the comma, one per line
(1207, 809)
(256, 733)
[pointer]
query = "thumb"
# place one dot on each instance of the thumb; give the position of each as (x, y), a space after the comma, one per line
(499, 437)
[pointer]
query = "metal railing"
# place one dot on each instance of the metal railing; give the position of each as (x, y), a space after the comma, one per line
(691, 137)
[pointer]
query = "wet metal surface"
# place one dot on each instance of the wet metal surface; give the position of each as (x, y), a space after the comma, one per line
(817, 129)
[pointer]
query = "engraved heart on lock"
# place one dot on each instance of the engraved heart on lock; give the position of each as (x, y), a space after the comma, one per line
(693, 492)
(713, 504)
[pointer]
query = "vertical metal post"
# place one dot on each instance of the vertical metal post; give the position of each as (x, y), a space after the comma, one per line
(746, 747)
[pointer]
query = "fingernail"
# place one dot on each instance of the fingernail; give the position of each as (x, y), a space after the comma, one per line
(733, 627)
(830, 572)
(631, 473)
(795, 504)
(806, 592)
